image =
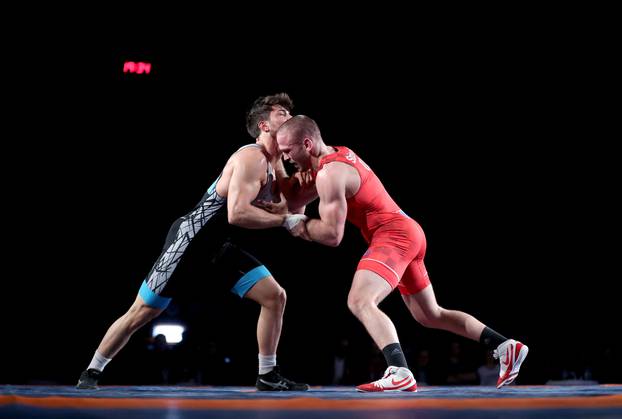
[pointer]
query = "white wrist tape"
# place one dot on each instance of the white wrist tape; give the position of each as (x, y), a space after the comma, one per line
(291, 220)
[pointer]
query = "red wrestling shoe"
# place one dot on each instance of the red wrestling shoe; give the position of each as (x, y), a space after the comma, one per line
(395, 379)
(511, 355)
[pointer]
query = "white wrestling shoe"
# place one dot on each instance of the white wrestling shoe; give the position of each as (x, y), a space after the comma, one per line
(394, 379)
(511, 355)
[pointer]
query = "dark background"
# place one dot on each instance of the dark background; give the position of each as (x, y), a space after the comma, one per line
(496, 142)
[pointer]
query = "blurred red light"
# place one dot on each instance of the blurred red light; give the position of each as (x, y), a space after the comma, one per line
(136, 67)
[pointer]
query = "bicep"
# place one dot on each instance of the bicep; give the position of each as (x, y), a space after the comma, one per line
(244, 185)
(333, 207)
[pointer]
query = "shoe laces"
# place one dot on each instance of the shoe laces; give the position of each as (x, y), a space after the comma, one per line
(389, 371)
(497, 352)
(276, 373)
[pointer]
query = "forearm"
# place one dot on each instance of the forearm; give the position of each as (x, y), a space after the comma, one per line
(255, 218)
(299, 210)
(324, 233)
(283, 179)
(297, 195)
(292, 192)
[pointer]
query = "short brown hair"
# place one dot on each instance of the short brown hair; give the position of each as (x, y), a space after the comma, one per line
(260, 111)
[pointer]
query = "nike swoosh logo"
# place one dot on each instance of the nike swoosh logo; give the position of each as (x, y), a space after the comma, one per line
(397, 383)
(273, 385)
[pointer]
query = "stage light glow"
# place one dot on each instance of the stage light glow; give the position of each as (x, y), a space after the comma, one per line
(172, 332)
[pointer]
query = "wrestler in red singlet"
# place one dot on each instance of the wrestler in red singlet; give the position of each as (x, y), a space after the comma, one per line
(396, 242)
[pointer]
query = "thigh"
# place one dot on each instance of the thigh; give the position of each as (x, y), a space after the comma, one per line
(239, 270)
(264, 290)
(416, 276)
(391, 250)
(422, 304)
(368, 285)
(185, 261)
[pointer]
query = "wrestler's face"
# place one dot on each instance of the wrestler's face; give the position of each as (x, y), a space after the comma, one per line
(294, 151)
(277, 117)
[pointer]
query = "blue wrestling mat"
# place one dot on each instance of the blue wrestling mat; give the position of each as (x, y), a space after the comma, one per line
(598, 401)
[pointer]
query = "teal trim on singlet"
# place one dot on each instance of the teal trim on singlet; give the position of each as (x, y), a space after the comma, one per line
(252, 277)
(212, 187)
(151, 298)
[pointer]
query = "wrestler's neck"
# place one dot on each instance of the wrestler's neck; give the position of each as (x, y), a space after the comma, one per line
(323, 150)
(269, 144)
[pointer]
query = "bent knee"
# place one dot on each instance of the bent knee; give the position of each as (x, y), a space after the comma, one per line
(359, 304)
(281, 297)
(430, 318)
(276, 298)
(141, 313)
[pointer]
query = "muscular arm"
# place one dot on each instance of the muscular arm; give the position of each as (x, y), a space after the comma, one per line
(297, 193)
(333, 208)
(244, 186)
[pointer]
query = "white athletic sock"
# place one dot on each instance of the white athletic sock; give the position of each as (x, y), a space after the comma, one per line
(99, 362)
(266, 363)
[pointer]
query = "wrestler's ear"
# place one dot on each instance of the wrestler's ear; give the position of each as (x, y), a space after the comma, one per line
(263, 126)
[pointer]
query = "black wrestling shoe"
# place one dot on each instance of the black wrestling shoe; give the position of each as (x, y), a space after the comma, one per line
(274, 381)
(88, 379)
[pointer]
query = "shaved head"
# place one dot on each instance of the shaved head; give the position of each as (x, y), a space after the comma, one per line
(300, 127)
